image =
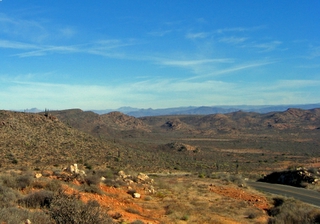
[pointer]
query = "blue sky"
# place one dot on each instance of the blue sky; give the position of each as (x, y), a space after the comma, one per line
(108, 54)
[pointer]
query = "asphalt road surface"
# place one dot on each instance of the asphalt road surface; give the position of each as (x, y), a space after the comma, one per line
(307, 196)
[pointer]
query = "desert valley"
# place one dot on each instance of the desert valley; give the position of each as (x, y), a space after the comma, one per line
(155, 169)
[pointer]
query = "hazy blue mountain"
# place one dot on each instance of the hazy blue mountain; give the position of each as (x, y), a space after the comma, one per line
(32, 110)
(124, 110)
(204, 110)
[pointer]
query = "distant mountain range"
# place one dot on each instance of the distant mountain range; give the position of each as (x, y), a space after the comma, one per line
(204, 110)
(192, 110)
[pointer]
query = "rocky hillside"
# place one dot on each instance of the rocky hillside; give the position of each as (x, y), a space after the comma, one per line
(38, 139)
(106, 125)
(117, 124)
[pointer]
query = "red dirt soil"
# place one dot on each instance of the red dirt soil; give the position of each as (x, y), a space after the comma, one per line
(120, 203)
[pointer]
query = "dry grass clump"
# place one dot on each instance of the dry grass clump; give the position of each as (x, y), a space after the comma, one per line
(69, 209)
(17, 181)
(291, 211)
(42, 200)
(14, 215)
(8, 196)
(38, 199)
(229, 178)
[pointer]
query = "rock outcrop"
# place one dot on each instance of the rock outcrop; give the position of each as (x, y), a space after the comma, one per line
(298, 177)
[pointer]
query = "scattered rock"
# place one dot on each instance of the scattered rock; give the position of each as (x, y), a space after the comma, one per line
(122, 174)
(181, 147)
(142, 176)
(74, 169)
(136, 195)
(38, 175)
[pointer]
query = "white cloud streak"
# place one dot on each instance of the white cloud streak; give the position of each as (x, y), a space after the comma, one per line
(233, 40)
(101, 47)
(188, 63)
(232, 69)
(17, 45)
(266, 47)
(200, 35)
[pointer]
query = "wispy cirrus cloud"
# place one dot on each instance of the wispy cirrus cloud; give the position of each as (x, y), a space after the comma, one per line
(67, 32)
(199, 35)
(37, 31)
(232, 69)
(314, 51)
(188, 63)
(196, 66)
(238, 29)
(17, 45)
(22, 28)
(297, 83)
(233, 40)
(143, 94)
(269, 46)
(160, 33)
(101, 47)
(245, 66)
(47, 50)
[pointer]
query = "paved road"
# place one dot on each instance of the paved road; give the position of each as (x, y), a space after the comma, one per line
(308, 196)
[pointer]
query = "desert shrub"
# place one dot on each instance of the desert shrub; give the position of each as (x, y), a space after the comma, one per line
(24, 181)
(185, 218)
(92, 179)
(8, 197)
(8, 181)
(148, 198)
(94, 189)
(237, 179)
(253, 213)
(137, 222)
(38, 184)
(290, 211)
(15, 215)
(53, 185)
(230, 178)
(88, 166)
(69, 209)
(115, 183)
(17, 181)
(132, 210)
(108, 174)
(37, 199)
